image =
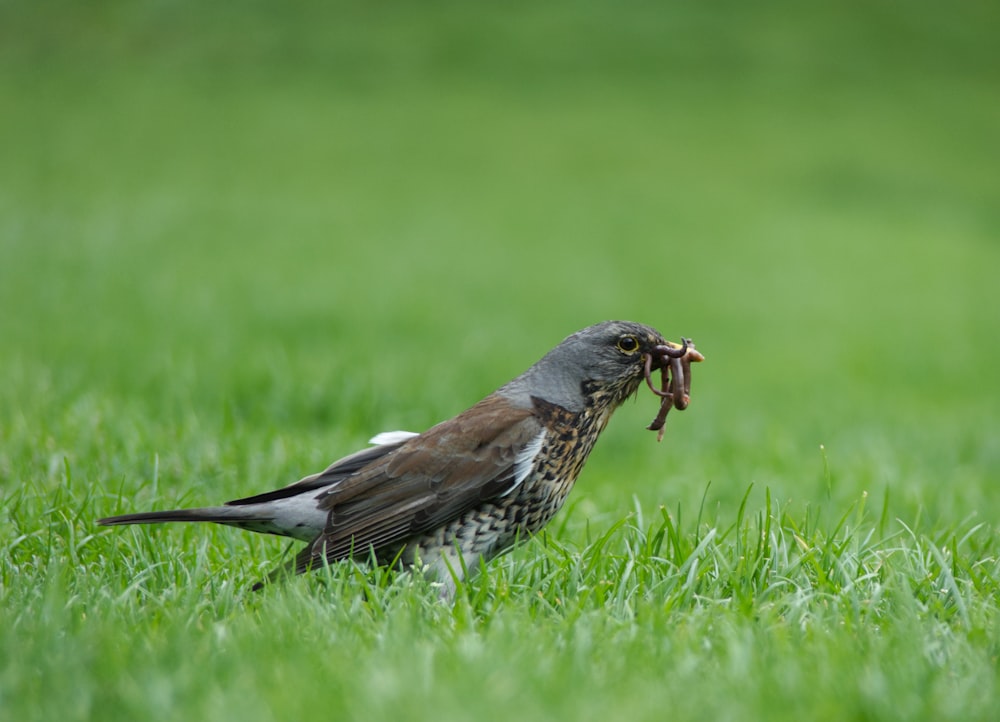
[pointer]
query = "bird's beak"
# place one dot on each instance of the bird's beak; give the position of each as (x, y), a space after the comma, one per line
(662, 353)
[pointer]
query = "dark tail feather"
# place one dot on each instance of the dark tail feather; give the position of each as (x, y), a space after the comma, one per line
(219, 515)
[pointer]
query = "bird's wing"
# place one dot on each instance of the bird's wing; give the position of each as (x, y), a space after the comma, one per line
(481, 454)
(336, 472)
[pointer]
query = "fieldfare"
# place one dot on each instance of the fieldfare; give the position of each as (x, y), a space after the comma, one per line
(471, 486)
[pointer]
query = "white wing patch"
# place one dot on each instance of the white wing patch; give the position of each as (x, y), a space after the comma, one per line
(524, 462)
(391, 437)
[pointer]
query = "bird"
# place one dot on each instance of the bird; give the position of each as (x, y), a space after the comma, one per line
(469, 488)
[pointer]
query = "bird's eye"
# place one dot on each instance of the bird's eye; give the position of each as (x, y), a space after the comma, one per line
(628, 344)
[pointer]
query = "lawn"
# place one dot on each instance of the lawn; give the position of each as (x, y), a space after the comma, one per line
(235, 243)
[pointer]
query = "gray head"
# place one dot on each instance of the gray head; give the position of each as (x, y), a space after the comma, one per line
(607, 357)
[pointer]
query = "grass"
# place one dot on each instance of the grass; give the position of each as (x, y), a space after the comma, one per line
(233, 246)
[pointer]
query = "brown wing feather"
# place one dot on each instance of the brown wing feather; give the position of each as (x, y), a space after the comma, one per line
(420, 486)
(334, 473)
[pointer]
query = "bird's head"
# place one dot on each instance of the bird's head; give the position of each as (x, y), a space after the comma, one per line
(604, 363)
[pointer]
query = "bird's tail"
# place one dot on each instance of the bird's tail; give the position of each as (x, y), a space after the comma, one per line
(235, 516)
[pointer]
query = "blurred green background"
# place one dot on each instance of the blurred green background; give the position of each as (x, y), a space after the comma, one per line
(321, 220)
(238, 239)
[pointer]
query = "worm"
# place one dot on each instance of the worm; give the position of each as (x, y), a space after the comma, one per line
(675, 380)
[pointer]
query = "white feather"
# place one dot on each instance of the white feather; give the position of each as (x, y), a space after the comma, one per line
(391, 437)
(524, 462)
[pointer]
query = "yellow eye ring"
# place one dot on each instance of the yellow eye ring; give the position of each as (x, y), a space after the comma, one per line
(628, 344)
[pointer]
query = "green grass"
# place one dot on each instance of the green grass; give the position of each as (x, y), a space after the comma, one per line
(234, 244)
